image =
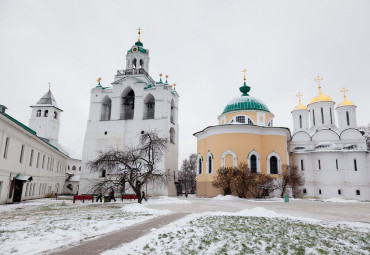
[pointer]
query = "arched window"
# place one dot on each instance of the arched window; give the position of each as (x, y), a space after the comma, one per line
(103, 173)
(141, 64)
(200, 164)
(172, 135)
(347, 116)
(128, 105)
(209, 164)
(253, 164)
(38, 113)
(240, 119)
(55, 115)
(106, 108)
(250, 122)
(46, 112)
(229, 159)
(355, 164)
(73, 167)
(172, 118)
(322, 115)
(68, 167)
(331, 117)
(300, 121)
(149, 107)
(134, 63)
(79, 169)
(313, 117)
(274, 164)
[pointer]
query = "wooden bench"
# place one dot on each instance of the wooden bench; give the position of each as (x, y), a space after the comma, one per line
(129, 196)
(83, 198)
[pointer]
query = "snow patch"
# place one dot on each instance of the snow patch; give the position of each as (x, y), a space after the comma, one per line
(227, 197)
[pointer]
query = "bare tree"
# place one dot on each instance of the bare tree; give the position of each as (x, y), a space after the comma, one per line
(133, 165)
(223, 179)
(365, 131)
(293, 178)
(188, 174)
(243, 181)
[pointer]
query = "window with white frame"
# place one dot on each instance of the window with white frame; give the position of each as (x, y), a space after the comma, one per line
(240, 119)
(209, 163)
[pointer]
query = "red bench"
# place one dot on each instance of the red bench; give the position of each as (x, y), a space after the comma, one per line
(83, 198)
(128, 196)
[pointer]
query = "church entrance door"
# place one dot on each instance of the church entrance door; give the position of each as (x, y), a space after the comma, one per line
(18, 187)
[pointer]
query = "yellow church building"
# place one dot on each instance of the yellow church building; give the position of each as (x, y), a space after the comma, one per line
(245, 133)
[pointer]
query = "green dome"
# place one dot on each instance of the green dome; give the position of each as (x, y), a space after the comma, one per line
(245, 103)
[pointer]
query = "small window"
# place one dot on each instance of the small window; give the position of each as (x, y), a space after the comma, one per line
(21, 156)
(43, 162)
(6, 147)
(79, 169)
(250, 122)
(304, 191)
(240, 119)
(46, 112)
(200, 166)
(322, 115)
(273, 165)
(300, 121)
(313, 117)
(302, 166)
(347, 115)
(320, 191)
(55, 115)
(339, 192)
(253, 164)
(103, 173)
(331, 117)
(319, 162)
(358, 192)
(31, 158)
(1, 187)
(355, 164)
(336, 164)
(73, 167)
(210, 164)
(38, 113)
(38, 160)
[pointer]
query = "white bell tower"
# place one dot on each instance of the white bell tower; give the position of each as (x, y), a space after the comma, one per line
(45, 118)
(137, 58)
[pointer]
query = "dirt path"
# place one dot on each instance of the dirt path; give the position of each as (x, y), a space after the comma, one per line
(117, 238)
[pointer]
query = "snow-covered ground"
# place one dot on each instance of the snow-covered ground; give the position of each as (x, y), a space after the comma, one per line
(247, 232)
(44, 224)
(215, 226)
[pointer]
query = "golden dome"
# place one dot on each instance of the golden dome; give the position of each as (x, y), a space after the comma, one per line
(321, 97)
(345, 101)
(300, 106)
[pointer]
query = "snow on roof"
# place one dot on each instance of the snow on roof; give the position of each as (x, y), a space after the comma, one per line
(72, 154)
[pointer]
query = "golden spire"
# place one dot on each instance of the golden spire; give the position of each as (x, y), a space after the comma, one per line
(99, 79)
(345, 101)
(160, 75)
(318, 79)
(244, 71)
(139, 32)
(300, 106)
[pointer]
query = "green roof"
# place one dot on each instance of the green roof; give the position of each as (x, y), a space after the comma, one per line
(246, 103)
(20, 124)
(140, 47)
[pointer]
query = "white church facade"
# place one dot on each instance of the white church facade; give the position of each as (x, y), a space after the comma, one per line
(118, 114)
(334, 159)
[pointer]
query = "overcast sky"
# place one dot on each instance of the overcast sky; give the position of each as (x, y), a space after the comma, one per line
(202, 45)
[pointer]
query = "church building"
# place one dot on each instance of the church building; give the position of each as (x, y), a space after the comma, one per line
(334, 159)
(245, 133)
(118, 114)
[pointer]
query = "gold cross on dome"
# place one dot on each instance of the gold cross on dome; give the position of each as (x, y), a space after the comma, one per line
(318, 79)
(99, 79)
(139, 32)
(299, 95)
(344, 90)
(244, 71)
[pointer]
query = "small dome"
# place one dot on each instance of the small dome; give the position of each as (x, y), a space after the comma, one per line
(346, 102)
(245, 103)
(321, 98)
(300, 107)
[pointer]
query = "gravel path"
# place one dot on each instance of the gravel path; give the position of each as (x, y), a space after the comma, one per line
(117, 238)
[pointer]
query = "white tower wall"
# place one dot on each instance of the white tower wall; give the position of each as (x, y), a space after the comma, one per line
(347, 117)
(322, 114)
(300, 120)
